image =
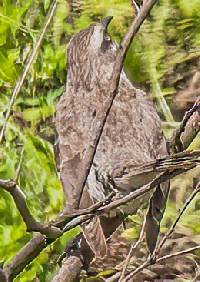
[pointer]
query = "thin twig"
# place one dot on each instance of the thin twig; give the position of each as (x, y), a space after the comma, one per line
(111, 93)
(160, 245)
(20, 201)
(18, 170)
(153, 258)
(28, 65)
(180, 253)
(66, 216)
(170, 231)
(32, 249)
(149, 262)
(135, 7)
(132, 248)
(176, 143)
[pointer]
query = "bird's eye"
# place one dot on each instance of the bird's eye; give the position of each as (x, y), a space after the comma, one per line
(107, 38)
(106, 43)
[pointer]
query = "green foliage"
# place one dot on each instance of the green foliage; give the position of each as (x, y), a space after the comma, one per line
(169, 37)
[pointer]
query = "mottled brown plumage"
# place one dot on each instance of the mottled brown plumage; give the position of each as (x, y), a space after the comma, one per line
(132, 134)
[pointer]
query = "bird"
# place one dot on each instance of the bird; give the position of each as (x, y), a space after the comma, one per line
(131, 138)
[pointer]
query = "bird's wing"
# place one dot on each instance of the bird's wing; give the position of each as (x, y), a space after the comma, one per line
(75, 127)
(74, 133)
(143, 174)
(134, 176)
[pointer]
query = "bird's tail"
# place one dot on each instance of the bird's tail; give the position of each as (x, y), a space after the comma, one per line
(92, 229)
(155, 214)
(94, 236)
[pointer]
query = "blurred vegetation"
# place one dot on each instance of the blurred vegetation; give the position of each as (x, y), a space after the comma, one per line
(162, 60)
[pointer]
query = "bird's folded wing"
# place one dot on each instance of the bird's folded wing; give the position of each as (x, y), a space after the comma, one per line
(130, 176)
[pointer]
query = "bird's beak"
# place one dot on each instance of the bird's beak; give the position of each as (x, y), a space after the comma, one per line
(105, 21)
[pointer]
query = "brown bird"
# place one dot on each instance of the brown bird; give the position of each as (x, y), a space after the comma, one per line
(132, 137)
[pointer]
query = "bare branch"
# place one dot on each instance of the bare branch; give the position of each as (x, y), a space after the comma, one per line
(35, 245)
(65, 216)
(3, 277)
(28, 65)
(153, 257)
(144, 189)
(187, 130)
(112, 92)
(180, 253)
(18, 170)
(132, 248)
(171, 229)
(150, 262)
(135, 7)
(20, 201)
(28, 253)
(69, 271)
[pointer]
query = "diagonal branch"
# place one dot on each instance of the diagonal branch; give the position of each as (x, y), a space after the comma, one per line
(180, 140)
(38, 243)
(28, 65)
(149, 262)
(27, 254)
(188, 129)
(171, 229)
(20, 201)
(132, 248)
(153, 258)
(64, 222)
(112, 92)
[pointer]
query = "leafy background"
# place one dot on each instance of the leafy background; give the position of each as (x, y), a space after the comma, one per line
(163, 60)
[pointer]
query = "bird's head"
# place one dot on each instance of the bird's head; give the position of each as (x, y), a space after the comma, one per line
(94, 39)
(100, 41)
(91, 51)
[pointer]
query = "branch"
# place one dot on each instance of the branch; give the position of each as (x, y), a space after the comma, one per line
(28, 65)
(171, 229)
(149, 262)
(153, 258)
(65, 222)
(121, 274)
(20, 201)
(132, 248)
(27, 254)
(70, 270)
(38, 243)
(188, 129)
(3, 277)
(122, 201)
(112, 92)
